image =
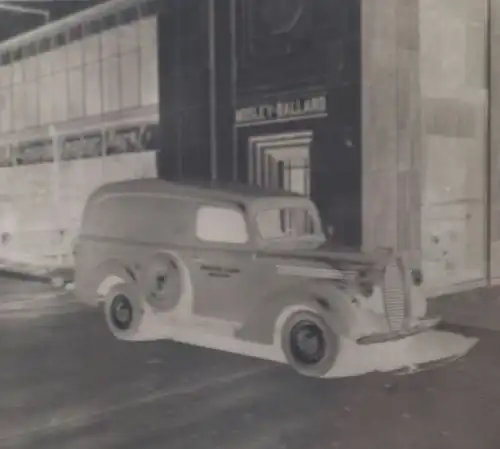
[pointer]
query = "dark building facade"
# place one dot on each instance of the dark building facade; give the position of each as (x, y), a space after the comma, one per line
(266, 92)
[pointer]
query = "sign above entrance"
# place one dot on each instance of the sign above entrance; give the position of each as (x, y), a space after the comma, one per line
(311, 107)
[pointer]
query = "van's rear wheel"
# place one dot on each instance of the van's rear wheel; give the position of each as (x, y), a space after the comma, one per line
(121, 312)
(124, 310)
(309, 344)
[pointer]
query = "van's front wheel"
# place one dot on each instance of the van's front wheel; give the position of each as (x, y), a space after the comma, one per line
(309, 344)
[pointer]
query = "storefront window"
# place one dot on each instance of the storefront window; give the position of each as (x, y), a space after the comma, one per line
(34, 152)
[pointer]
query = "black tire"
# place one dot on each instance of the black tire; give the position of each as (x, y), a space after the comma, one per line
(161, 282)
(123, 310)
(317, 359)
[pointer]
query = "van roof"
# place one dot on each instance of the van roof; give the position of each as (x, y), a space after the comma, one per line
(197, 189)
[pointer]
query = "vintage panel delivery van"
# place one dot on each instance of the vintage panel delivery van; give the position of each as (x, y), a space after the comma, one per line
(247, 270)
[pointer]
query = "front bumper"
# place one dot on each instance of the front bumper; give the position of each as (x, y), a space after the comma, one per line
(411, 353)
(422, 325)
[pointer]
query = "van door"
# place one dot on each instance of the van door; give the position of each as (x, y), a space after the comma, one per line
(223, 264)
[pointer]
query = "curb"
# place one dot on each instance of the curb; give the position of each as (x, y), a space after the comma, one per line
(22, 276)
(58, 278)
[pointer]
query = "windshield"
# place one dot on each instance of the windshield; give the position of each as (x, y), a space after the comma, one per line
(286, 222)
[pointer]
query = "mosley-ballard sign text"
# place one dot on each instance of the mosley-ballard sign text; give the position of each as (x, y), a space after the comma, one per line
(282, 111)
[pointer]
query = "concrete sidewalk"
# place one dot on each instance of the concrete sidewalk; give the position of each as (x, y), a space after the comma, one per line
(27, 287)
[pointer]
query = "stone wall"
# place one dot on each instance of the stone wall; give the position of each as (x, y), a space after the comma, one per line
(425, 101)
(41, 205)
(90, 83)
(453, 63)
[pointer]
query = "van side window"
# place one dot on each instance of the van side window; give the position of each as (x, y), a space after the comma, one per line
(221, 225)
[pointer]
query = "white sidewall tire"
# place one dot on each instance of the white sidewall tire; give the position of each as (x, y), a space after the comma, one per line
(331, 340)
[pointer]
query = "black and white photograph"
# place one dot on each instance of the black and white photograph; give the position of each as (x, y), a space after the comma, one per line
(250, 224)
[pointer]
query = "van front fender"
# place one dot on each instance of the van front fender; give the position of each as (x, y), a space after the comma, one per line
(332, 304)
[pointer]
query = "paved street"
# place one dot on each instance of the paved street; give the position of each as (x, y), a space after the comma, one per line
(66, 383)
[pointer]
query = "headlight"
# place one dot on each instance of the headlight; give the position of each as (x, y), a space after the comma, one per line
(365, 283)
(366, 288)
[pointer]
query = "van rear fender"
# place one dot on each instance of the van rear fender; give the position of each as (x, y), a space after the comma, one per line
(103, 278)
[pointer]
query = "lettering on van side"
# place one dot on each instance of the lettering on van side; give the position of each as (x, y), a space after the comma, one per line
(219, 270)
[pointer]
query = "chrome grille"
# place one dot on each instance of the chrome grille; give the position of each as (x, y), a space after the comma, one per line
(395, 296)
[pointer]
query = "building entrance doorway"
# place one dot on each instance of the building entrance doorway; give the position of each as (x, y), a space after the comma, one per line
(281, 161)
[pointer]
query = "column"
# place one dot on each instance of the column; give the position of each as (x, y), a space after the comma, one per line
(494, 76)
(391, 126)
